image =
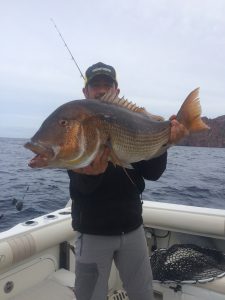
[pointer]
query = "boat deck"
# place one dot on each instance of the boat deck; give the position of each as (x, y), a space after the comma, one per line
(59, 285)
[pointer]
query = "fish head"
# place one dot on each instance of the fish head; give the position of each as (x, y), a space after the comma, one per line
(59, 142)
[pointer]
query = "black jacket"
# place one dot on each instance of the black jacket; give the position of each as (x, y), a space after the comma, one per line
(109, 203)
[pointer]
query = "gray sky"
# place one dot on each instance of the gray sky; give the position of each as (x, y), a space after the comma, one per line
(161, 50)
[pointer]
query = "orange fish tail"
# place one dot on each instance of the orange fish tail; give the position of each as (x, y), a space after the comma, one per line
(190, 113)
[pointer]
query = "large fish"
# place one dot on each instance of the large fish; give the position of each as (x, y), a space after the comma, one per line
(77, 131)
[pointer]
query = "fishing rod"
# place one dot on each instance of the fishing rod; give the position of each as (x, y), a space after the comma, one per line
(65, 44)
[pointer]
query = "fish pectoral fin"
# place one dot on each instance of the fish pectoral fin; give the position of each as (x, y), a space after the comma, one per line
(127, 166)
(114, 158)
(117, 162)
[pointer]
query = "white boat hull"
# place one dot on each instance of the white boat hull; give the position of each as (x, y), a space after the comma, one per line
(36, 261)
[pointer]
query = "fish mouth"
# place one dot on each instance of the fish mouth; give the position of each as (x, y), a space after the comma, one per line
(43, 154)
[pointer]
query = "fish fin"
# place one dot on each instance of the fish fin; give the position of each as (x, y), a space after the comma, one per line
(116, 162)
(112, 97)
(190, 113)
(127, 166)
(112, 156)
(153, 117)
(115, 159)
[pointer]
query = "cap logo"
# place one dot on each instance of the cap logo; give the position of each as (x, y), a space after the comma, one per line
(101, 69)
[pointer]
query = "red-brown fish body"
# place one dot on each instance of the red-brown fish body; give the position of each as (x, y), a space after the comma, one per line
(74, 133)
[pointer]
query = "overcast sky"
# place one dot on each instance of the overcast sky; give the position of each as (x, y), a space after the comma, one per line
(161, 50)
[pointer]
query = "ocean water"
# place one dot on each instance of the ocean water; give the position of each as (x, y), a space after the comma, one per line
(194, 176)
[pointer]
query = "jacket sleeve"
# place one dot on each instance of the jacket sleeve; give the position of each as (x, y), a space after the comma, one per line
(152, 169)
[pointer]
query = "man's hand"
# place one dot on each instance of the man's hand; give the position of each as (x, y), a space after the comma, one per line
(178, 131)
(98, 166)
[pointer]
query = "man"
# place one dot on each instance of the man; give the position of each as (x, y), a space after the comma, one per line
(107, 211)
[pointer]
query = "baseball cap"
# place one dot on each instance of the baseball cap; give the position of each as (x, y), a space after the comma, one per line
(100, 69)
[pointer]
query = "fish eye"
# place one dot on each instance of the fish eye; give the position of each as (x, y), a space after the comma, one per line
(63, 123)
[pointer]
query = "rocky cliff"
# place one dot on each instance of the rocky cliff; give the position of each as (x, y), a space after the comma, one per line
(215, 137)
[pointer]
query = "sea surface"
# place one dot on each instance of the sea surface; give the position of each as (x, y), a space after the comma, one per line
(194, 176)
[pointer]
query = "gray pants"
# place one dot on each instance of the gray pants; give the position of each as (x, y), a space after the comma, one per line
(94, 256)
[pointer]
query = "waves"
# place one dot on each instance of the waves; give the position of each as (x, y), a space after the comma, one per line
(194, 176)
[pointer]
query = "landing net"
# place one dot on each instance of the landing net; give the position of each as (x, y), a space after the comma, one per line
(187, 263)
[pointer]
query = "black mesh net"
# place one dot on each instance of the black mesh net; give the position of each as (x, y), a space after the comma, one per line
(187, 262)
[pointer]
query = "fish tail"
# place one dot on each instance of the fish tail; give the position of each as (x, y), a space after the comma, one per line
(190, 113)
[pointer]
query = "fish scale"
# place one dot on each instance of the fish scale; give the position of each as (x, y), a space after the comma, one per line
(132, 146)
(73, 135)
